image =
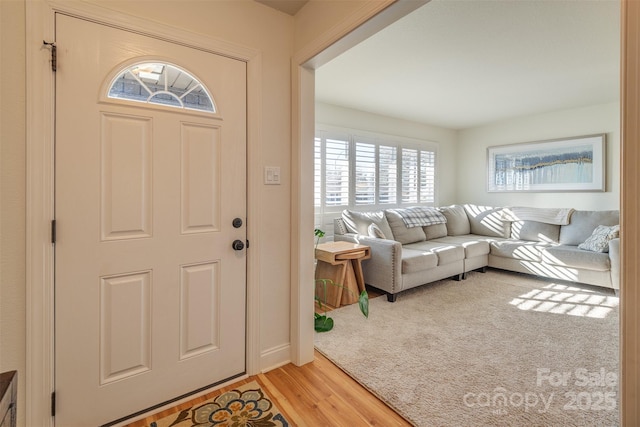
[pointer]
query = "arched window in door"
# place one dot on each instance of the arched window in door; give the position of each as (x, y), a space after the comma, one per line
(162, 84)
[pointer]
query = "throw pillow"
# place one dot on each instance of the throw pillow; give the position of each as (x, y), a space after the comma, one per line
(435, 231)
(374, 231)
(600, 238)
(399, 230)
(457, 220)
(358, 222)
(487, 221)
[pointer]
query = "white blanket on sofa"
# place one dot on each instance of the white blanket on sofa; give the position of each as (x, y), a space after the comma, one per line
(557, 216)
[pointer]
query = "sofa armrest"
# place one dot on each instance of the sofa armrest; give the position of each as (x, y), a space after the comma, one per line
(384, 269)
(614, 259)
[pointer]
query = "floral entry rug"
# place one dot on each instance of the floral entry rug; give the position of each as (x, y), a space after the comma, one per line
(248, 405)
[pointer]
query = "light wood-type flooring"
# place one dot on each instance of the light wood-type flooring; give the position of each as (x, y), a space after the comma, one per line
(316, 394)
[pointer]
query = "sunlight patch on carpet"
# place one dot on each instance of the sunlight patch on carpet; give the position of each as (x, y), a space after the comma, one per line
(562, 299)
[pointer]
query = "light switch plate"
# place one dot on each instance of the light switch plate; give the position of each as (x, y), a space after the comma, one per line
(272, 175)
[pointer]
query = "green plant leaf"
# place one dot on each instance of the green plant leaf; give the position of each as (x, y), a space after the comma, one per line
(322, 300)
(363, 302)
(319, 235)
(323, 323)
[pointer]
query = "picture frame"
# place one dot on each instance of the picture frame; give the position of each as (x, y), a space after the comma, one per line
(558, 165)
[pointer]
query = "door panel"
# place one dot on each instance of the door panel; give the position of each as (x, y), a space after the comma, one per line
(126, 181)
(150, 295)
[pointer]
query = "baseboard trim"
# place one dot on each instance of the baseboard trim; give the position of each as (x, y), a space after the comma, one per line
(275, 357)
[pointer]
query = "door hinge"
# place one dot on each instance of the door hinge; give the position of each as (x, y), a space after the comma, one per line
(53, 231)
(53, 404)
(54, 55)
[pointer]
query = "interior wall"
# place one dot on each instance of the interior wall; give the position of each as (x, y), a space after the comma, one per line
(12, 192)
(446, 139)
(472, 156)
(319, 17)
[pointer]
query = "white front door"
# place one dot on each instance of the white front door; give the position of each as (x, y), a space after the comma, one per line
(149, 293)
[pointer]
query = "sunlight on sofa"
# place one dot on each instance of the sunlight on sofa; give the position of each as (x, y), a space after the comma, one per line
(552, 271)
(486, 217)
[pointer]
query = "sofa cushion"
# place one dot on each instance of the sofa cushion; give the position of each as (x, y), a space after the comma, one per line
(535, 231)
(486, 221)
(358, 222)
(583, 223)
(435, 231)
(447, 253)
(571, 256)
(600, 238)
(519, 249)
(473, 245)
(416, 260)
(457, 220)
(400, 231)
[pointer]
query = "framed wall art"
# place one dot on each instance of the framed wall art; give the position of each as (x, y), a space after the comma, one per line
(568, 164)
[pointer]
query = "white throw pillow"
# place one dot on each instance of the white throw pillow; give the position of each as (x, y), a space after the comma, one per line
(400, 231)
(600, 238)
(358, 222)
(374, 231)
(457, 220)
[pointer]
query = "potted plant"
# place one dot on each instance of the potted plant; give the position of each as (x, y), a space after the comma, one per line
(322, 322)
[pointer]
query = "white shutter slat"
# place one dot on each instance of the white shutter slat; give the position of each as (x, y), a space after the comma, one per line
(365, 169)
(336, 172)
(388, 166)
(409, 176)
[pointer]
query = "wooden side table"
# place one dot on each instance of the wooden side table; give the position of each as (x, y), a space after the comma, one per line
(340, 262)
(8, 398)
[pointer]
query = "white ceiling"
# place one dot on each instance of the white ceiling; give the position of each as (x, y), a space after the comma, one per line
(462, 63)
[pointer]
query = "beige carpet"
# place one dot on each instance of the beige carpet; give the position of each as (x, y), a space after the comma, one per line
(498, 349)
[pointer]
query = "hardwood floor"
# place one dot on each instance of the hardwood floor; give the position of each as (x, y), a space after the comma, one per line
(316, 394)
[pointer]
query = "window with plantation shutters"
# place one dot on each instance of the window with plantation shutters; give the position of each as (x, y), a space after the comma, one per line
(336, 172)
(365, 176)
(427, 176)
(410, 182)
(317, 176)
(362, 170)
(388, 173)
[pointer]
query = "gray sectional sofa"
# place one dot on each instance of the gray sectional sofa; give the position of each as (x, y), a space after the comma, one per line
(566, 244)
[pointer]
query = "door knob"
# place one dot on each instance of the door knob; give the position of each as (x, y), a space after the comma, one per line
(237, 245)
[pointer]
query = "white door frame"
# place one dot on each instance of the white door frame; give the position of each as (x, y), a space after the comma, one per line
(343, 37)
(372, 17)
(40, 20)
